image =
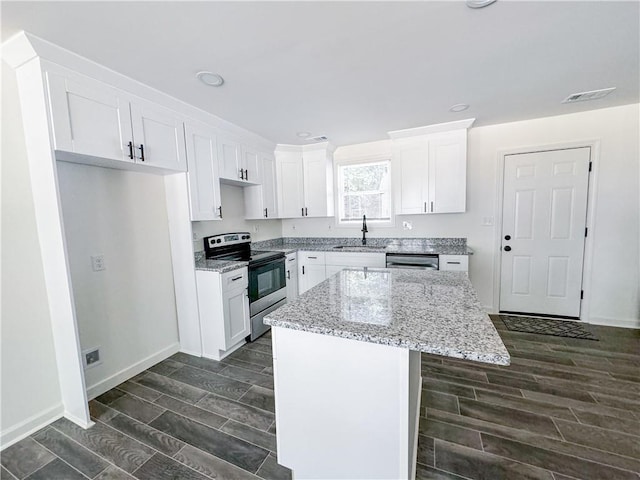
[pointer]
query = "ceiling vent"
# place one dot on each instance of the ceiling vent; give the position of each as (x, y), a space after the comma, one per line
(592, 95)
(319, 138)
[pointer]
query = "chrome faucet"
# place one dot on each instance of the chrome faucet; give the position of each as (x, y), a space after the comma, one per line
(364, 230)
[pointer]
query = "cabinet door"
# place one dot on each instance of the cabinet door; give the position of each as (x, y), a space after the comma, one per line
(318, 175)
(310, 275)
(411, 184)
(89, 117)
(250, 164)
(448, 172)
(292, 277)
(236, 316)
(289, 184)
(158, 136)
(269, 185)
(204, 185)
(229, 158)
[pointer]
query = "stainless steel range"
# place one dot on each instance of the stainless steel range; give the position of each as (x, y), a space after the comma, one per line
(267, 282)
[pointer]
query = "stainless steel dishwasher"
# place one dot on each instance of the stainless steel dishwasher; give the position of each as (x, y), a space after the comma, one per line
(420, 261)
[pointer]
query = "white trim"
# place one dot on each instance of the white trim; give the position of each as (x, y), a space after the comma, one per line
(131, 371)
(594, 146)
(429, 129)
(46, 199)
(30, 425)
(78, 421)
(614, 322)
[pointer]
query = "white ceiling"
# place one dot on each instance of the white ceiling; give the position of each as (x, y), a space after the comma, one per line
(355, 70)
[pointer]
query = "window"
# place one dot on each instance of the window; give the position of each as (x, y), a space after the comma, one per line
(364, 189)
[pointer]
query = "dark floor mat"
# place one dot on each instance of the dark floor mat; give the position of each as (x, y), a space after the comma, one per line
(547, 326)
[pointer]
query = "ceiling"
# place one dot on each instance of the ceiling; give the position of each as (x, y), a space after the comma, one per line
(355, 70)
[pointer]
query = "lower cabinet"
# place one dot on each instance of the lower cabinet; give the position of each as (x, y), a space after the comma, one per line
(454, 263)
(223, 303)
(291, 266)
(315, 267)
(311, 270)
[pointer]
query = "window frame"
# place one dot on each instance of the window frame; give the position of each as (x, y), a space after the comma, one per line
(338, 195)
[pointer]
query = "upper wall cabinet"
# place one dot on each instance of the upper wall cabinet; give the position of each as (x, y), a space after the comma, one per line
(431, 170)
(204, 184)
(305, 180)
(260, 200)
(238, 163)
(94, 119)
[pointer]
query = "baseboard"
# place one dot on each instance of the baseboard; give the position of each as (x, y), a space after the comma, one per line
(123, 375)
(81, 422)
(221, 355)
(30, 425)
(488, 309)
(614, 322)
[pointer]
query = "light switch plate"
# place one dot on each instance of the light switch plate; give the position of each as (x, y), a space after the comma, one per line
(97, 263)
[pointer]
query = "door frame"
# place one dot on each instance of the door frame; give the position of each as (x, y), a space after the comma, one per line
(587, 261)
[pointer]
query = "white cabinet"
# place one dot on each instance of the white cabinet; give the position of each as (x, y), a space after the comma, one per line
(311, 270)
(454, 263)
(94, 119)
(291, 266)
(260, 201)
(290, 184)
(204, 184)
(235, 301)
(305, 181)
(223, 305)
(158, 135)
(238, 163)
(431, 173)
(355, 259)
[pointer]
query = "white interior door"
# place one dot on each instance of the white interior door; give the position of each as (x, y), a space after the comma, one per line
(543, 231)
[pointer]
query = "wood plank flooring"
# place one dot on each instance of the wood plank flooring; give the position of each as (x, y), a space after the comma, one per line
(564, 409)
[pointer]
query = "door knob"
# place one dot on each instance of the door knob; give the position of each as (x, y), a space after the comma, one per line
(507, 237)
(507, 248)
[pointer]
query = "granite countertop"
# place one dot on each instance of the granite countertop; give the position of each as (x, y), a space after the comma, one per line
(424, 310)
(220, 266)
(435, 246)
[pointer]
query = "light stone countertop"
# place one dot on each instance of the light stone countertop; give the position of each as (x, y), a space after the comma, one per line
(220, 266)
(428, 311)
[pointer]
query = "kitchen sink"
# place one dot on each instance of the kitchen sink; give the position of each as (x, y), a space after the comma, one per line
(360, 247)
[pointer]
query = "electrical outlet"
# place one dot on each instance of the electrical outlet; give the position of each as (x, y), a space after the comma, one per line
(256, 228)
(194, 237)
(97, 263)
(91, 357)
(487, 221)
(407, 225)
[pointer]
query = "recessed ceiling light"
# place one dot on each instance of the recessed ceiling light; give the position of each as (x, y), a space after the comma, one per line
(210, 78)
(303, 134)
(459, 107)
(479, 3)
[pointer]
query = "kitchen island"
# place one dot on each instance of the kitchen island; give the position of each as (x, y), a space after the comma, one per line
(347, 366)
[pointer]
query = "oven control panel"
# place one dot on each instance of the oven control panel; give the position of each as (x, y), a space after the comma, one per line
(227, 239)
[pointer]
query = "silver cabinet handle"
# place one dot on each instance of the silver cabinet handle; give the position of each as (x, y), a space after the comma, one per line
(220, 210)
(291, 260)
(315, 258)
(242, 173)
(425, 207)
(236, 278)
(431, 207)
(288, 275)
(453, 263)
(266, 215)
(303, 269)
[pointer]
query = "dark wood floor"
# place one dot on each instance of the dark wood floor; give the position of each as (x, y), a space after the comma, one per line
(565, 409)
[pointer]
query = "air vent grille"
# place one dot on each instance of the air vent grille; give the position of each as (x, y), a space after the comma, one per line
(592, 95)
(319, 138)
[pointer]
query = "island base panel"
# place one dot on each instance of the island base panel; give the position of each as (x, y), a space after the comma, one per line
(345, 408)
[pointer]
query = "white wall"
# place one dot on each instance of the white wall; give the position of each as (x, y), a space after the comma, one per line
(233, 220)
(614, 297)
(128, 309)
(30, 393)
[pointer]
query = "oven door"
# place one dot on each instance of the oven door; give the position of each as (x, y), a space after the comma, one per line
(266, 278)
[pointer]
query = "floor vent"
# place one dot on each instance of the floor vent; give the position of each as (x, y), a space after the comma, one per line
(592, 95)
